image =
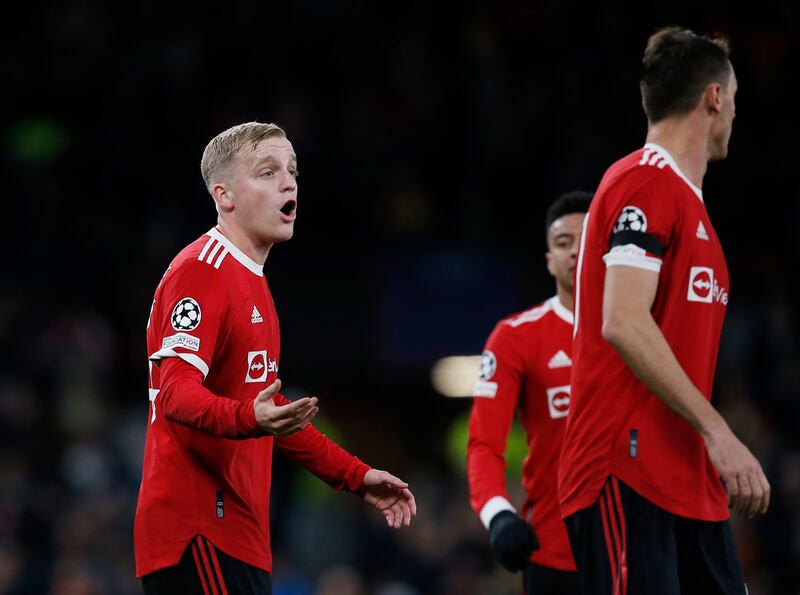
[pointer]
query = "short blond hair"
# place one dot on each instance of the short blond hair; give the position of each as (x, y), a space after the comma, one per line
(223, 148)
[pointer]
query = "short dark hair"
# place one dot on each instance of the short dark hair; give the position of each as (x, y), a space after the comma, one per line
(576, 201)
(677, 66)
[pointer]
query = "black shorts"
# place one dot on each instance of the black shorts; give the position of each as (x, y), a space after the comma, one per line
(540, 580)
(625, 545)
(205, 570)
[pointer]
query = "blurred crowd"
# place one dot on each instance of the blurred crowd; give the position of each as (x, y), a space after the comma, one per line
(430, 144)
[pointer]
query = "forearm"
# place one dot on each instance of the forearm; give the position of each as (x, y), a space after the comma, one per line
(183, 399)
(486, 474)
(642, 346)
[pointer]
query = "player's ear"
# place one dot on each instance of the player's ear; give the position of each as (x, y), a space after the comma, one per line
(222, 195)
(712, 98)
(548, 257)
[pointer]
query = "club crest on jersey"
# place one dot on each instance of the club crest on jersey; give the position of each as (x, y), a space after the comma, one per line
(488, 365)
(186, 315)
(704, 288)
(631, 219)
(558, 401)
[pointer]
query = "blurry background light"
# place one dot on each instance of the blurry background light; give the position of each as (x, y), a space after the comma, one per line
(455, 376)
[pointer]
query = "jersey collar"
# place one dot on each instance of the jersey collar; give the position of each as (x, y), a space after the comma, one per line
(243, 258)
(668, 158)
(561, 311)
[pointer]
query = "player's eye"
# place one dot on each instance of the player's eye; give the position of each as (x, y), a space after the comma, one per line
(267, 173)
(294, 173)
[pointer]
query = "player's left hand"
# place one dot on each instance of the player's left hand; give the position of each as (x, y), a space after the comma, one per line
(391, 496)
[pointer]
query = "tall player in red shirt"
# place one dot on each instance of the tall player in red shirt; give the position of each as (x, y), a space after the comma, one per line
(525, 368)
(202, 519)
(647, 460)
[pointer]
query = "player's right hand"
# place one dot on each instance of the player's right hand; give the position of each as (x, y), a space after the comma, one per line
(512, 540)
(283, 420)
(741, 473)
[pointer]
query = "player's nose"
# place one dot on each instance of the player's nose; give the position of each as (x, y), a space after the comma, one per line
(288, 182)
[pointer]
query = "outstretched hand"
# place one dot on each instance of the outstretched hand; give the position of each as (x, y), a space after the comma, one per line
(391, 496)
(283, 420)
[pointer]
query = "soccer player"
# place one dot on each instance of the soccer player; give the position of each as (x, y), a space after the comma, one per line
(525, 368)
(202, 519)
(648, 467)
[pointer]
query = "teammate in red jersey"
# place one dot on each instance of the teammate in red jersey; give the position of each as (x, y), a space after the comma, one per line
(202, 519)
(646, 460)
(525, 368)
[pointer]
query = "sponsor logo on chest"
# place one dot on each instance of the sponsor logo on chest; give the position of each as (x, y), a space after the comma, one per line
(259, 365)
(558, 401)
(704, 288)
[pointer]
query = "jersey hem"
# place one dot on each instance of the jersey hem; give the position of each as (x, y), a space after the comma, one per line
(570, 508)
(553, 560)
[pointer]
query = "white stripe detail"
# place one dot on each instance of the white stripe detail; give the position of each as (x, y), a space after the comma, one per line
(633, 260)
(205, 248)
(213, 253)
(245, 260)
(494, 505)
(189, 358)
(222, 256)
(578, 275)
(531, 315)
(671, 162)
(561, 310)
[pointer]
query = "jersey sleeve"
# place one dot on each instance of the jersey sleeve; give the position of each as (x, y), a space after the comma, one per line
(322, 456)
(183, 399)
(496, 397)
(641, 229)
(188, 315)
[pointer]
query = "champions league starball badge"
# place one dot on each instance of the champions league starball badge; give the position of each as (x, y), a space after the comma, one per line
(186, 315)
(631, 219)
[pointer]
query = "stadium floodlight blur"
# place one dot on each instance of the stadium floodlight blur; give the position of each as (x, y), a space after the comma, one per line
(455, 376)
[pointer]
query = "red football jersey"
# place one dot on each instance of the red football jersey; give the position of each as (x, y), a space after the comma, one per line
(207, 466)
(645, 214)
(525, 368)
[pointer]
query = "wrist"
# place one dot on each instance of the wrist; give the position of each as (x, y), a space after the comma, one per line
(712, 427)
(501, 518)
(492, 507)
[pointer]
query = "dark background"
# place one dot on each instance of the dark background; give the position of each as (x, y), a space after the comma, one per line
(431, 140)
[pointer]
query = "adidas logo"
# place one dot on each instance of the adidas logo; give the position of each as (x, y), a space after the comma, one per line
(256, 317)
(701, 231)
(559, 360)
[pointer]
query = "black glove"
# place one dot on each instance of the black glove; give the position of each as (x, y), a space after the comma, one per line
(512, 540)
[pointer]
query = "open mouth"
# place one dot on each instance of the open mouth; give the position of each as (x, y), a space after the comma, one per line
(289, 207)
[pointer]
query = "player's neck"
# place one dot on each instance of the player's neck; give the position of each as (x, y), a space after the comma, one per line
(686, 140)
(565, 297)
(239, 238)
